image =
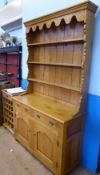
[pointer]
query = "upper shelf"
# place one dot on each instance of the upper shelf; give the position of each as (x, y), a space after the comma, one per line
(55, 84)
(79, 40)
(55, 64)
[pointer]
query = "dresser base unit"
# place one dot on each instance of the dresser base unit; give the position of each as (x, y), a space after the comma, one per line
(55, 140)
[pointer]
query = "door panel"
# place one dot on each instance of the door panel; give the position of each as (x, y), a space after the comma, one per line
(22, 128)
(45, 146)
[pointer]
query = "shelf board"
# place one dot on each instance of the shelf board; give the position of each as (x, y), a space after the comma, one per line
(9, 64)
(79, 40)
(6, 74)
(55, 64)
(14, 49)
(54, 84)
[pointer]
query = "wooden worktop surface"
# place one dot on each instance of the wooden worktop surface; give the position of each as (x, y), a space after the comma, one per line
(56, 110)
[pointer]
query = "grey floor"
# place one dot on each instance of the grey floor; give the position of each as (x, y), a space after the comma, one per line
(16, 160)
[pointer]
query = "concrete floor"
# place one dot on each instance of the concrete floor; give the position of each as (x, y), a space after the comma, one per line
(16, 160)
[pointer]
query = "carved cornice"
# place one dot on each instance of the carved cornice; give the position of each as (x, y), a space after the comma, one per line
(79, 11)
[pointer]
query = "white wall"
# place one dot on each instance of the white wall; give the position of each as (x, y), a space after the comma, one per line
(94, 86)
(41, 7)
(1, 3)
(33, 9)
(25, 55)
(18, 32)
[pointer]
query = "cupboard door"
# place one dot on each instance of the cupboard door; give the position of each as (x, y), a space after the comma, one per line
(45, 146)
(22, 128)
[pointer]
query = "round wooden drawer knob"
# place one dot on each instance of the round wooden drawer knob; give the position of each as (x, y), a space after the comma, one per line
(26, 110)
(38, 116)
(51, 123)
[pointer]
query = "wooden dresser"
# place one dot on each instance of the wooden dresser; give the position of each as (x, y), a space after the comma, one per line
(49, 118)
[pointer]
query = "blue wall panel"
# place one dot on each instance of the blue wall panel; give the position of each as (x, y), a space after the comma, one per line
(91, 141)
(24, 84)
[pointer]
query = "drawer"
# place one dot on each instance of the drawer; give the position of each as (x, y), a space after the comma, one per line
(24, 109)
(39, 117)
(17, 106)
(51, 123)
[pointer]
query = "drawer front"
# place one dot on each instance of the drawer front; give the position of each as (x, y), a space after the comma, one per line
(49, 122)
(24, 109)
(37, 116)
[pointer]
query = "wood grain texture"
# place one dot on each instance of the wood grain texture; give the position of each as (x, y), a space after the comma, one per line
(49, 121)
